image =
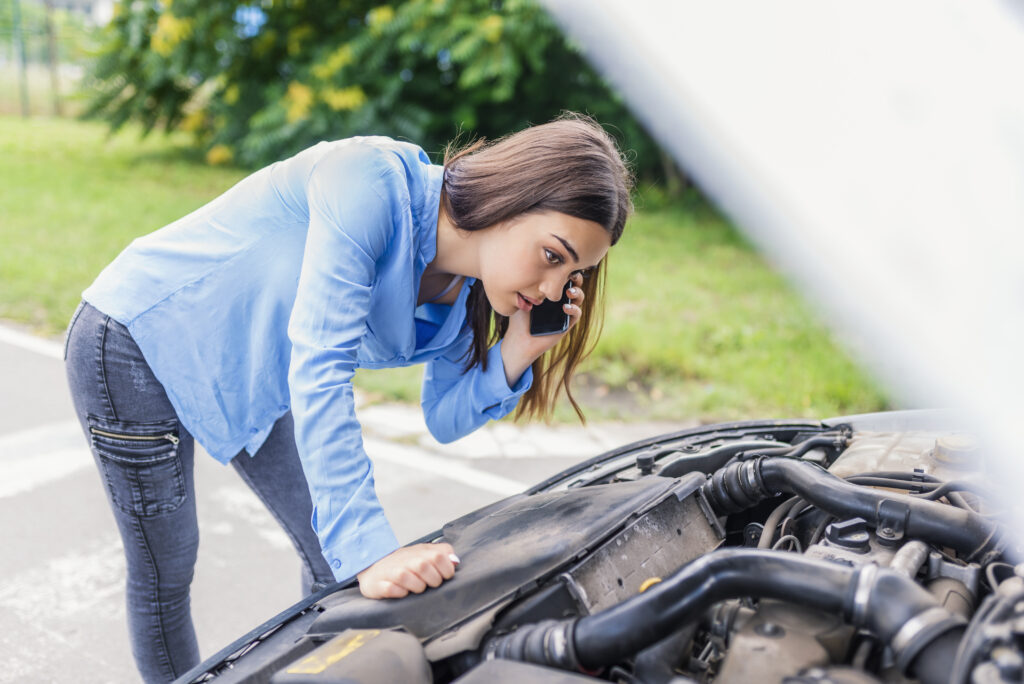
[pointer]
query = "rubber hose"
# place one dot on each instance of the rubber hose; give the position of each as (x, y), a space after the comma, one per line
(616, 633)
(827, 439)
(710, 461)
(549, 642)
(742, 485)
(935, 661)
(885, 602)
(967, 532)
(656, 664)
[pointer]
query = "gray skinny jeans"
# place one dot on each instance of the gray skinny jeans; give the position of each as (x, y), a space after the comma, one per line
(145, 458)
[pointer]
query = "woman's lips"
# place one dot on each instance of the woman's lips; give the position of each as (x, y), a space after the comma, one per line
(523, 303)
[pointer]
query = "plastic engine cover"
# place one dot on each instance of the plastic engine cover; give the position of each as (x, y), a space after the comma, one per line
(505, 548)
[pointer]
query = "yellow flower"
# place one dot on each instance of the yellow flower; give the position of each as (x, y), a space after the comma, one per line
(170, 30)
(297, 36)
(193, 121)
(299, 98)
(231, 94)
(491, 28)
(335, 62)
(219, 154)
(379, 17)
(345, 98)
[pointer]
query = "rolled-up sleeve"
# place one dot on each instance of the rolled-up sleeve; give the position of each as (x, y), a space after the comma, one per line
(350, 225)
(457, 401)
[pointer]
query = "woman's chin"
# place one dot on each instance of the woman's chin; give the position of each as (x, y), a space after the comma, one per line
(501, 308)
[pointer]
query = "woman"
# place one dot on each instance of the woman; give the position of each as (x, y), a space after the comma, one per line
(241, 325)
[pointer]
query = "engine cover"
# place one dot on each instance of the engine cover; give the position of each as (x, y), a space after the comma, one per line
(514, 545)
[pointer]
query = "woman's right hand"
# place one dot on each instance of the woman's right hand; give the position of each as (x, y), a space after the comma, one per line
(409, 569)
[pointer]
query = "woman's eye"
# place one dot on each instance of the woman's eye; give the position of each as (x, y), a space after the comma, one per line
(552, 257)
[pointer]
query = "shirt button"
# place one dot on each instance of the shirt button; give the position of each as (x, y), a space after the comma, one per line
(253, 430)
(336, 564)
(283, 407)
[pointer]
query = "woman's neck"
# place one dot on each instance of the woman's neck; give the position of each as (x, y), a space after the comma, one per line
(456, 250)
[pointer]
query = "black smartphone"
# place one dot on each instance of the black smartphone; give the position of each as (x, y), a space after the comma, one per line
(548, 318)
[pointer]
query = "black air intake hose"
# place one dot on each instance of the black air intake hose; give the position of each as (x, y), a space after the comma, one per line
(900, 612)
(742, 485)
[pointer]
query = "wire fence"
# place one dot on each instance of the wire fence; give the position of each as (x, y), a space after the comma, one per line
(43, 52)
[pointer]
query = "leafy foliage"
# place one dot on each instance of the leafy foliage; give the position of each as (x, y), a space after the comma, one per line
(257, 82)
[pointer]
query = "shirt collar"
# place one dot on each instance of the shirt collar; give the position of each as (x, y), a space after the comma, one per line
(426, 211)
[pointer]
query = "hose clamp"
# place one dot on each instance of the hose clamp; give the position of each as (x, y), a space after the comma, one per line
(567, 644)
(919, 631)
(751, 478)
(556, 646)
(865, 582)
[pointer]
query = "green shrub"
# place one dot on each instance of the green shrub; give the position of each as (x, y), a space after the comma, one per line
(258, 82)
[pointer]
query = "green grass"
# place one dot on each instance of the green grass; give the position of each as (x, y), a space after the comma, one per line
(72, 199)
(697, 325)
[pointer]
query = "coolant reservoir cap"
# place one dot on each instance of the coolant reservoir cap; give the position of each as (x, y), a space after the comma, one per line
(956, 449)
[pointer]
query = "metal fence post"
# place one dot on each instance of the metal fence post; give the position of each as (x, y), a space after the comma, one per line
(19, 40)
(53, 57)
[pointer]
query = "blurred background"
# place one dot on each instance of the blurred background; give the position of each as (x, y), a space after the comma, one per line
(119, 117)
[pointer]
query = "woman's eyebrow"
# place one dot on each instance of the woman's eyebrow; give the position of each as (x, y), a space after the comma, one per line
(568, 247)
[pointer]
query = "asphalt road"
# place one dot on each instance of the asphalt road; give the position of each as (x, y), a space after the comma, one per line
(62, 615)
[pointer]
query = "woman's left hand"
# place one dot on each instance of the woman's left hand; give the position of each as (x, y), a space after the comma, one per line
(408, 569)
(520, 349)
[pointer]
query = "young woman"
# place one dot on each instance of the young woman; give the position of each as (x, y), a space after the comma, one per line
(240, 326)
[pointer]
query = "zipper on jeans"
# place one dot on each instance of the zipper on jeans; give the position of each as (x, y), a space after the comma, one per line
(143, 438)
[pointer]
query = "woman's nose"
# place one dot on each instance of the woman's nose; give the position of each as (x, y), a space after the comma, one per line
(552, 288)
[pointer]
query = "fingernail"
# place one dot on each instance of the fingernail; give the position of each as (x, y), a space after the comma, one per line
(453, 558)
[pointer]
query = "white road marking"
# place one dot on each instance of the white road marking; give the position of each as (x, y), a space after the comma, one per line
(14, 443)
(34, 457)
(40, 455)
(443, 467)
(31, 343)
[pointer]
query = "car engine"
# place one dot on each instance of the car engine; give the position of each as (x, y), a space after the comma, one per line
(864, 549)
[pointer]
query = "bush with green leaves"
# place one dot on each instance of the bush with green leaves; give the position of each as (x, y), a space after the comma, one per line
(257, 82)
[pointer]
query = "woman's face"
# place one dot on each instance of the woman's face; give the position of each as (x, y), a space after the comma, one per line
(529, 259)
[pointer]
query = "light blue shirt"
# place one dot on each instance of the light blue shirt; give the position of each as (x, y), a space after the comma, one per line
(270, 296)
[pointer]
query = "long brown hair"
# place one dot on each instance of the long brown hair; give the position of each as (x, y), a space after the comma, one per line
(571, 166)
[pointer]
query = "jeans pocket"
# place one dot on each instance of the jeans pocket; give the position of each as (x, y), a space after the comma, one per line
(140, 464)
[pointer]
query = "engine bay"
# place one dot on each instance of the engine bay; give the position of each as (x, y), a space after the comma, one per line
(848, 551)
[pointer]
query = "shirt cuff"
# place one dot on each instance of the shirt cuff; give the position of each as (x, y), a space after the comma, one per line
(501, 398)
(351, 555)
